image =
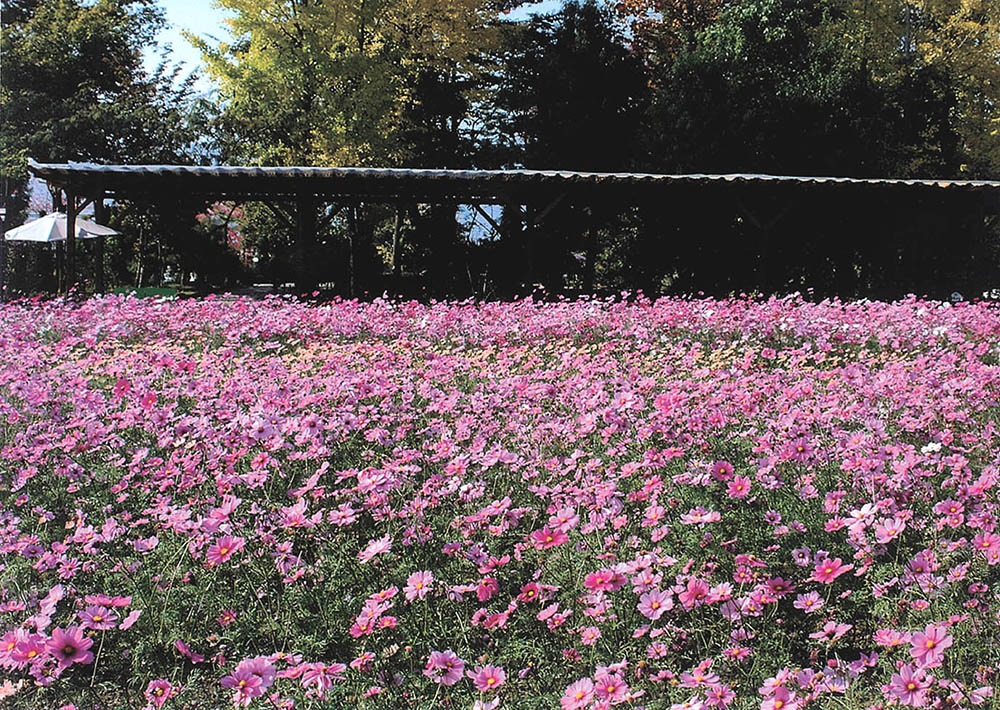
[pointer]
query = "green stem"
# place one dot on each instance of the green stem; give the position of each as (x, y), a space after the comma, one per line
(97, 660)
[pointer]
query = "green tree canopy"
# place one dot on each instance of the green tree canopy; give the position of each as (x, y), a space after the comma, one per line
(306, 82)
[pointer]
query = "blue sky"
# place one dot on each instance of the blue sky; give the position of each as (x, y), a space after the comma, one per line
(200, 17)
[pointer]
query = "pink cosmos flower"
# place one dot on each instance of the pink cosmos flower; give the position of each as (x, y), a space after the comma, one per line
(610, 686)
(739, 487)
(655, 603)
(890, 638)
(186, 651)
(694, 594)
(70, 646)
(888, 529)
(30, 649)
(547, 537)
(700, 517)
(98, 618)
(418, 584)
(444, 667)
(779, 587)
(928, 647)
(909, 686)
(487, 588)
(605, 580)
(227, 617)
(578, 695)
(159, 692)
(831, 632)
(223, 549)
(722, 470)
(989, 544)
(130, 619)
(246, 684)
(487, 677)
(828, 570)
(781, 699)
(589, 635)
(379, 546)
(318, 678)
(719, 695)
(529, 592)
(808, 602)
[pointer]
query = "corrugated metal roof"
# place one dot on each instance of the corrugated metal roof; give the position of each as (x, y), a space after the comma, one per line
(386, 180)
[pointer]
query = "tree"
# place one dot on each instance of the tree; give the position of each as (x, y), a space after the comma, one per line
(768, 88)
(958, 40)
(307, 82)
(659, 29)
(570, 95)
(75, 88)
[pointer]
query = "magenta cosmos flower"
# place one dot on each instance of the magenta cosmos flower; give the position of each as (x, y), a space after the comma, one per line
(547, 537)
(98, 618)
(246, 683)
(158, 692)
(828, 570)
(70, 646)
(444, 667)
(224, 548)
(487, 677)
(739, 487)
(605, 580)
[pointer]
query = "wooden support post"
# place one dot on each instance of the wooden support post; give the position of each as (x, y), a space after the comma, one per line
(305, 237)
(352, 240)
(528, 237)
(396, 244)
(101, 216)
(591, 254)
(70, 271)
(3, 255)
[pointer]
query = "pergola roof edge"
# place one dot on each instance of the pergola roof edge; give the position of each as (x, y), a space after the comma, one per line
(415, 182)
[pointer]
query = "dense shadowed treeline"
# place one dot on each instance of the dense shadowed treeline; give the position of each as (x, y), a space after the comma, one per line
(873, 88)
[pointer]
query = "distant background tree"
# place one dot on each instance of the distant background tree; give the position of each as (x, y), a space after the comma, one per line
(75, 88)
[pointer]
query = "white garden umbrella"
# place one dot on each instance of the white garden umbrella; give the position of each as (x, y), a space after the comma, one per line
(52, 228)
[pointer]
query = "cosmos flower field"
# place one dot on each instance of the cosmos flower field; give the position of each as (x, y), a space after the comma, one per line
(683, 504)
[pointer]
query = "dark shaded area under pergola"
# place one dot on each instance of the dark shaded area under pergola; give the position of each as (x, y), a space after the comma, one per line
(782, 214)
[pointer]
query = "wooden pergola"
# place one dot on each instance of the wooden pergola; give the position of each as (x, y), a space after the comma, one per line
(296, 193)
